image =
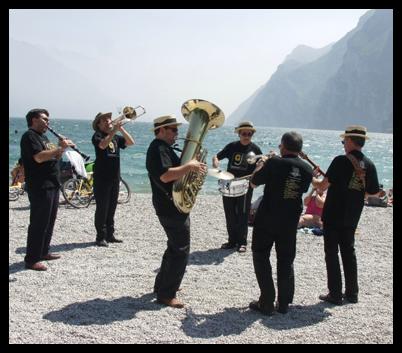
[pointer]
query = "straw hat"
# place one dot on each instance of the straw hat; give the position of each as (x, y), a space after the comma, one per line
(355, 130)
(165, 120)
(98, 117)
(245, 125)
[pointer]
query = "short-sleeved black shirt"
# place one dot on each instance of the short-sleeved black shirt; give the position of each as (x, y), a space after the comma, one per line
(345, 197)
(43, 175)
(236, 153)
(161, 157)
(107, 162)
(286, 179)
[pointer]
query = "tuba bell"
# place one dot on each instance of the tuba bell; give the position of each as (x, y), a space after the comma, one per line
(202, 116)
(128, 114)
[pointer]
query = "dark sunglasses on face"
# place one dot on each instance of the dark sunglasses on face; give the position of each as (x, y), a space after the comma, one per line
(246, 134)
(343, 142)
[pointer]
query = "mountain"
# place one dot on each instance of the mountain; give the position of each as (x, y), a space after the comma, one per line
(347, 82)
(34, 82)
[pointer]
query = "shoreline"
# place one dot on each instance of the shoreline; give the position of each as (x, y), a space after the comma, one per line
(104, 295)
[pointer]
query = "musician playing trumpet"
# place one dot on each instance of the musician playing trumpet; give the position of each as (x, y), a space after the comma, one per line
(40, 158)
(107, 173)
(237, 208)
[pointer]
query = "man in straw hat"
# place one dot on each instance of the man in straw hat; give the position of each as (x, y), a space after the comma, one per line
(107, 174)
(237, 208)
(347, 179)
(164, 168)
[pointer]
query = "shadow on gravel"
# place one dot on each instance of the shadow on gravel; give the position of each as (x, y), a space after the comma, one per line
(60, 247)
(233, 321)
(103, 312)
(16, 267)
(208, 257)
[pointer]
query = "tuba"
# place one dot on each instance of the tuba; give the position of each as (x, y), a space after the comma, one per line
(128, 114)
(202, 116)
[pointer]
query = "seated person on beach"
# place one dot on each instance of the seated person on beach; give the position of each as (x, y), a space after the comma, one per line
(314, 202)
(379, 200)
(18, 174)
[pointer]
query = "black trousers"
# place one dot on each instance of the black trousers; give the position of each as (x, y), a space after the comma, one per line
(343, 239)
(44, 204)
(106, 193)
(285, 245)
(236, 214)
(175, 258)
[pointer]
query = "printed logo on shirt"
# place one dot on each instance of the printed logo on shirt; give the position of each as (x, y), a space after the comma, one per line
(238, 162)
(112, 148)
(356, 183)
(50, 146)
(292, 184)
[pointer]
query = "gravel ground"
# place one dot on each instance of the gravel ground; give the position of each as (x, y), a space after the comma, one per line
(104, 295)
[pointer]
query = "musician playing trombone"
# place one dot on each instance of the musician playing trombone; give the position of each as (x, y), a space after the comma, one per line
(107, 173)
(40, 158)
(237, 208)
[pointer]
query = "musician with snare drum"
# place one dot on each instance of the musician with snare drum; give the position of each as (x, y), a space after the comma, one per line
(236, 193)
(40, 158)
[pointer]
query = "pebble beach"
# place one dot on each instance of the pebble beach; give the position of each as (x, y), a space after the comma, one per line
(104, 295)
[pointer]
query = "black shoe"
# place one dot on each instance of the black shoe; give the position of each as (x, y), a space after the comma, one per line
(114, 240)
(282, 308)
(351, 298)
(102, 243)
(263, 309)
(228, 246)
(242, 248)
(330, 299)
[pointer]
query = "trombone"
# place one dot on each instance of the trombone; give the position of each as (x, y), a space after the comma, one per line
(129, 114)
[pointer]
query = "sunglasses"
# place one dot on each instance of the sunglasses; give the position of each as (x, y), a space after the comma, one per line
(246, 134)
(343, 142)
(174, 129)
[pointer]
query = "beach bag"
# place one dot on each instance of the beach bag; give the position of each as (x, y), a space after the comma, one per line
(377, 201)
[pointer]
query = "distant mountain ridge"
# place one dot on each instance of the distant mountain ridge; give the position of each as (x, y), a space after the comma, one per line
(347, 82)
(34, 81)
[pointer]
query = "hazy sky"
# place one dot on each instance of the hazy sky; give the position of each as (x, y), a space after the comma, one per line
(161, 58)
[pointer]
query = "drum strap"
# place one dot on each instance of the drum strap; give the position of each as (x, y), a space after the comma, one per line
(160, 187)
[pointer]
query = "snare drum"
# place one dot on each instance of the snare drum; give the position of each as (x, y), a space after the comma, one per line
(233, 188)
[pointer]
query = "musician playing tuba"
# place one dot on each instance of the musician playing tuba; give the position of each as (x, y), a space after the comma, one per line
(107, 173)
(164, 169)
(237, 208)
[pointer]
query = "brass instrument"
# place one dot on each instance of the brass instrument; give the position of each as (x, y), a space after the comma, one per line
(129, 114)
(252, 158)
(202, 116)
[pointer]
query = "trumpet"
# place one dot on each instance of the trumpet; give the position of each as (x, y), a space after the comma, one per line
(252, 158)
(129, 114)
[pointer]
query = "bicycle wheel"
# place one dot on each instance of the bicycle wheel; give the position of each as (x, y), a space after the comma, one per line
(76, 194)
(124, 192)
(13, 194)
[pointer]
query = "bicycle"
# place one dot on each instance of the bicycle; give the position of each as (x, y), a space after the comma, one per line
(15, 191)
(78, 191)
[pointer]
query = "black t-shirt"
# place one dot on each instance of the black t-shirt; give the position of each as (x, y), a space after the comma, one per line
(107, 162)
(286, 179)
(43, 175)
(236, 153)
(161, 157)
(345, 197)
